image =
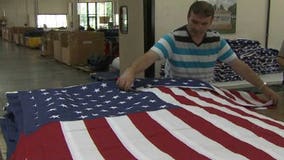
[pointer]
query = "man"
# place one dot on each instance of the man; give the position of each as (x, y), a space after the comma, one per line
(192, 51)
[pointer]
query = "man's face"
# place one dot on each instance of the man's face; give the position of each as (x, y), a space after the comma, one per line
(199, 24)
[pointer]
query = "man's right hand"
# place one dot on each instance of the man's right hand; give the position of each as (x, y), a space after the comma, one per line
(125, 81)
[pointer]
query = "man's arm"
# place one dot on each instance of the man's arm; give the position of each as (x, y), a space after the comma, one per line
(125, 81)
(249, 75)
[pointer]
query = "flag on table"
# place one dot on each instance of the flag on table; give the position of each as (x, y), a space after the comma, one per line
(174, 121)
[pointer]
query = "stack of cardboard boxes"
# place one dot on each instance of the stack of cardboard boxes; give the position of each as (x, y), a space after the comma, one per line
(73, 48)
(78, 46)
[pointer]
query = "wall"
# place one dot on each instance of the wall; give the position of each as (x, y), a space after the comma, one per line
(251, 18)
(19, 12)
(276, 31)
(53, 6)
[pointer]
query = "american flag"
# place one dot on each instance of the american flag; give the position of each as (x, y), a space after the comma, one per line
(184, 119)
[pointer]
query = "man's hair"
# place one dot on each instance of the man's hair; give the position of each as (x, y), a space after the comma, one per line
(201, 8)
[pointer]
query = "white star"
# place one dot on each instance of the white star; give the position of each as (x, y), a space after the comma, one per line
(122, 92)
(84, 88)
(32, 98)
(102, 96)
(104, 85)
(63, 105)
(78, 112)
(152, 101)
(48, 99)
(129, 108)
(45, 93)
(115, 97)
(137, 103)
(97, 90)
(122, 102)
(113, 107)
(74, 105)
(99, 105)
(110, 91)
(60, 98)
(70, 99)
(163, 106)
(83, 117)
(103, 110)
(94, 114)
(56, 94)
(129, 97)
(145, 106)
(89, 109)
(107, 102)
(84, 104)
(54, 117)
(52, 109)
(145, 97)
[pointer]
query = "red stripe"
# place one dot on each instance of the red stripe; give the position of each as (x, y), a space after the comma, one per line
(257, 98)
(46, 143)
(261, 132)
(106, 141)
(237, 94)
(213, 132)
(162, 139)
(245, 113)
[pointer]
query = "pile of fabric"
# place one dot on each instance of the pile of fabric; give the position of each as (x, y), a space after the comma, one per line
(261, 60)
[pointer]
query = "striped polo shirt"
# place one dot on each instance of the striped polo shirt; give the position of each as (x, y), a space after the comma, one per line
(186, 59)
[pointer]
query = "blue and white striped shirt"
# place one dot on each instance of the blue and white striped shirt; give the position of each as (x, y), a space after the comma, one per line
(186, 59)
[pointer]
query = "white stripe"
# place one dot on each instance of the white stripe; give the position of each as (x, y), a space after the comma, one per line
(234, 130)
(194, 58)
(225, 102)
(255, 121)
(250, 99)
(192, 137)
(247, 97)
(134, 141)
(236, 99)
(79, 142)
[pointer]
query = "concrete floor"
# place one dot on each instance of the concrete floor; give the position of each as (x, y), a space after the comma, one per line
(24, 69)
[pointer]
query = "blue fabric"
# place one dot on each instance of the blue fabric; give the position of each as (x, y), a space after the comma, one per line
(28, 110)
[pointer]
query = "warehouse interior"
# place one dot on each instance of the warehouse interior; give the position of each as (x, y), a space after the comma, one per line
(54, 44)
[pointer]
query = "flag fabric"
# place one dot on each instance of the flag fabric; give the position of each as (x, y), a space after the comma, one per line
(184, 119)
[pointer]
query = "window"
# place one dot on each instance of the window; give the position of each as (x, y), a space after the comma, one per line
(96, 15)
(51, 21)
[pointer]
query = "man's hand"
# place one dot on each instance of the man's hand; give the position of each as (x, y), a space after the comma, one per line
(270, 94)
(125, 81)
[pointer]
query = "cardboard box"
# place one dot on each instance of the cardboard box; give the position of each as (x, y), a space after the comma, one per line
(47, 44)
(57, 53)
(78, 46)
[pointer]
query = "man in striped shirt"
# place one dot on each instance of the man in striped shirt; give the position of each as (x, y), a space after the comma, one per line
(192, 51)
